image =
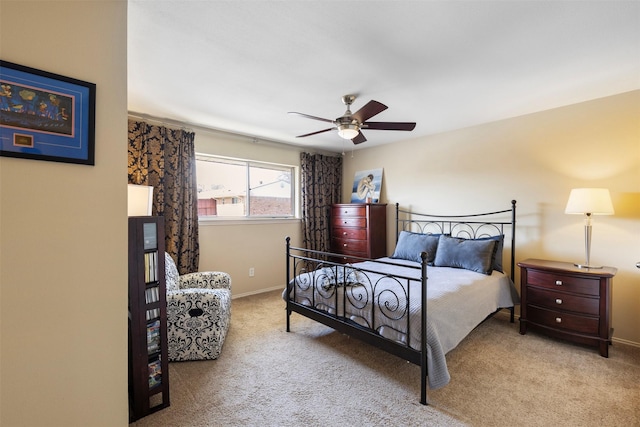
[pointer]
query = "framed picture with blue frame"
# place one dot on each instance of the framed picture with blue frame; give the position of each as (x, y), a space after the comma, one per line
(366, 186)
(46, 116)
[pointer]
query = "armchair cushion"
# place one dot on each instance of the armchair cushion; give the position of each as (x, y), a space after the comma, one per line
(197, 323)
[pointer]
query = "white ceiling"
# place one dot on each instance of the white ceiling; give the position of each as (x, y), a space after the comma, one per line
(240, 66)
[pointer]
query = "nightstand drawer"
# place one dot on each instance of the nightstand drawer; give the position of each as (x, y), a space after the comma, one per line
(349, 233)
(360, 222)
(564, 282)
(559, 320)
(562, 301)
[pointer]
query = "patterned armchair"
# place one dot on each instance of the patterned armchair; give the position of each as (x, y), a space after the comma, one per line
(198, 312)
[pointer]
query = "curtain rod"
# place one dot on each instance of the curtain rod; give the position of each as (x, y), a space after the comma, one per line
(159, 120)
(252, 138)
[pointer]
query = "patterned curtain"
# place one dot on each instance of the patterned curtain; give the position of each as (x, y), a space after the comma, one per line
(321, 187)
(165, 159)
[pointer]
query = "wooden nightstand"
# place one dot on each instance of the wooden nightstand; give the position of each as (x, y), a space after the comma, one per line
(567, 302)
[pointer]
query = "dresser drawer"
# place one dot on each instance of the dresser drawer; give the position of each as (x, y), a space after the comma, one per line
(349, 222)
(348, 211)
(352, 247)
(561, 301)
(564, 282)
(349, 233)
(559, 320)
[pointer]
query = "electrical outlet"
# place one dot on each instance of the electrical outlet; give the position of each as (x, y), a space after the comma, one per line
(252, 272)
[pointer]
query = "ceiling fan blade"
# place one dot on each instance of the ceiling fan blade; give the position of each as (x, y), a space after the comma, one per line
(359, 139)
(389, 125)
(315, 133)
(310, 117)
(370, 109)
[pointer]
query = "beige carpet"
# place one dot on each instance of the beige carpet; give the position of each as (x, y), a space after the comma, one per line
(314, 376)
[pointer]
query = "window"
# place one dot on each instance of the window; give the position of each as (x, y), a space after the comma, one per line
(233, 188)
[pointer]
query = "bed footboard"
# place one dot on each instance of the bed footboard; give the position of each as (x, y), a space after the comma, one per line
(360, 301)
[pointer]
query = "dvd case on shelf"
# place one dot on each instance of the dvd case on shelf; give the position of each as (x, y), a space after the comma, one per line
(153, 337)
(152, 294)
(151, 267)
(155, 373)
(154, 313)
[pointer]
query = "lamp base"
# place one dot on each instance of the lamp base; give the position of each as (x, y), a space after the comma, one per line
(586, 265)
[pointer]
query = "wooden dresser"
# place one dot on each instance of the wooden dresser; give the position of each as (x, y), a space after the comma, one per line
(359, 229)
(567, 302)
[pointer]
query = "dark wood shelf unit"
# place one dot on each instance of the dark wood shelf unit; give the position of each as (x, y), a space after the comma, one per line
(148, 350)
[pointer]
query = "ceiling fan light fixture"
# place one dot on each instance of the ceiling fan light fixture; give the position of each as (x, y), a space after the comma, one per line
(348, 130)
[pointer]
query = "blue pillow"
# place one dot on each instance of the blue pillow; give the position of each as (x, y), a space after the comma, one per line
(475, 255)
(497, 261)
(411, 245)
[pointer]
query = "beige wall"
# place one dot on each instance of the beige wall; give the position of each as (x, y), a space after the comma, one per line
(63, 232)
(535, 159)
(236, 246)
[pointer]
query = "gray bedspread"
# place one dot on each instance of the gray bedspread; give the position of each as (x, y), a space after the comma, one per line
(375, 295)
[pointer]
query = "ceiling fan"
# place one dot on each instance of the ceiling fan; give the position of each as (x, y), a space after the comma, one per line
(350, 125)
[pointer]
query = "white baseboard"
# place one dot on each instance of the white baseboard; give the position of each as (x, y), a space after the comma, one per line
(259, 291)
(625, 342)
(504, 313)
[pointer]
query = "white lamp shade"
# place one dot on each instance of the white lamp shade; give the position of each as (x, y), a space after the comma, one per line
(140, 200)
(348, 131)
(595, 201)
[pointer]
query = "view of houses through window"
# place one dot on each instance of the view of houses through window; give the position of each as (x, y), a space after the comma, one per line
(242, 188)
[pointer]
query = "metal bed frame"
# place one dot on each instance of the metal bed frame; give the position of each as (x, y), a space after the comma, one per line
(317, 263)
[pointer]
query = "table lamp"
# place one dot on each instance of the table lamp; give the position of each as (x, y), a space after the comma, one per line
(139, 200)
(588, 202)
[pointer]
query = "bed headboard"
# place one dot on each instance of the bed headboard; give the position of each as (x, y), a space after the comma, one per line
(470, 226)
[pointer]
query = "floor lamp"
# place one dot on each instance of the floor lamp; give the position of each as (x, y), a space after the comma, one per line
(588, 202)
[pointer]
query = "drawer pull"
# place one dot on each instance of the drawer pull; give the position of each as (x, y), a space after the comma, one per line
(558, 319)
(344, 233)
(558, 282)
(346, 211)
(344, 244)
(558, 301)
(346, 222)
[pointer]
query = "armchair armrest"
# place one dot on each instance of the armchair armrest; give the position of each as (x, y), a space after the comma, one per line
(206, 280)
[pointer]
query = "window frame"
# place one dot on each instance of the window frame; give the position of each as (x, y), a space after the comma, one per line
(294, 171)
